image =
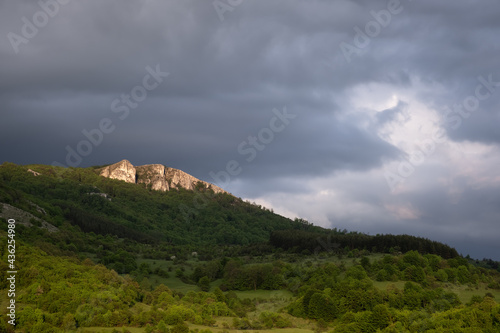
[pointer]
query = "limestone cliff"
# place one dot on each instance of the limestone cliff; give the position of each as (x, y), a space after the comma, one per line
(123, 170)
(153, 174)
(160, 177)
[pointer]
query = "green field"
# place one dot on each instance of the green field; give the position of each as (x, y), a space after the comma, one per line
(465, 292)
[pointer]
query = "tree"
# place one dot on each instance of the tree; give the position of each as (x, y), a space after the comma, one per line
(149, 329)
(180, 328)
(219, 295)
(413, 258)
(204, 284)
(441, 275)
(365, 262)
(69, 323)
(414, 273)
(306, 300)
(381, 317)
(321, 307)
(162, 327)
(463, 274)
(356, 272)
(382, 275)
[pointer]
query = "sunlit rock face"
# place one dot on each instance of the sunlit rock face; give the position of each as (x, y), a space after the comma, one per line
(123, 170)
(160, 177)
(153, 174)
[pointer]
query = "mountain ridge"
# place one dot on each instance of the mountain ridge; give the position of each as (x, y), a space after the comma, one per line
(159, 176)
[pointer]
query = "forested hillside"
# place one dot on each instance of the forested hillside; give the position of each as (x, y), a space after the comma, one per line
(97, 255)
(105, 206)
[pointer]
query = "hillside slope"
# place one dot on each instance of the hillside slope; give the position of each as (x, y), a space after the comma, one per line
(176, 260)
(130, 208)
(104, 206)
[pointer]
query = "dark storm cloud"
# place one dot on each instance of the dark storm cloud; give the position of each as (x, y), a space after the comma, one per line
(226, 78)
(462, 220)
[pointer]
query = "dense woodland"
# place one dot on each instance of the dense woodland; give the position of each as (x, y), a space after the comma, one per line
(127, 257)
(333, 240)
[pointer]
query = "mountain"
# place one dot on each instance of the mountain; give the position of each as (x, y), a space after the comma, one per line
(141, 247)
(149, 203)
(158, 176)
(162, 206)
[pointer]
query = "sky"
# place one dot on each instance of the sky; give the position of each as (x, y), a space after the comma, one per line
(365, 115)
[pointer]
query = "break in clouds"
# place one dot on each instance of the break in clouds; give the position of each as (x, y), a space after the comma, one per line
(392, 105)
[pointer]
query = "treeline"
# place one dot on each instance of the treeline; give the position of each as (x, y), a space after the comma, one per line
(333, 241)
(486, 263)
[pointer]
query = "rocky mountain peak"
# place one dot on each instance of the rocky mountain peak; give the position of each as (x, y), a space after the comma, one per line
(123, 170)
(160, 177)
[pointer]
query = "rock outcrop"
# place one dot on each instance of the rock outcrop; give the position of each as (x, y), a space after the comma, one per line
(153, 174)
(160, 177)
(180, 179)
(34, 172)
(25, 218)
(123, 170)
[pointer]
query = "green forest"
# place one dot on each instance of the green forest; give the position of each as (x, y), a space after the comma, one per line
(100, 255)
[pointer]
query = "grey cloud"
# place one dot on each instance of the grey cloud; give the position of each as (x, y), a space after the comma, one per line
(389, 115)
(227, 77)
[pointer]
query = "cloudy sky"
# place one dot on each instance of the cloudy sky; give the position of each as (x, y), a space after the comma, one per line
(373, 116)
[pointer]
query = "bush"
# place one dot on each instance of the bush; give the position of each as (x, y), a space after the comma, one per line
(180, 328)
(204, 284)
